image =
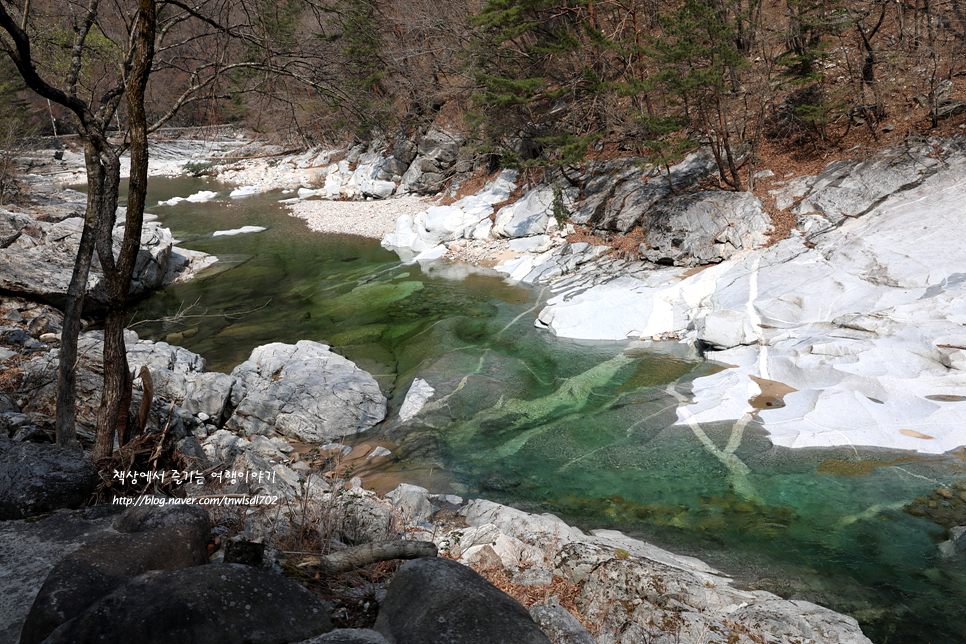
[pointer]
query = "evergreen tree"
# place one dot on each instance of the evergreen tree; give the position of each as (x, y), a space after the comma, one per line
(364, 98)
(529, 110)
(14, 125)
(810, 21)
(699, 58)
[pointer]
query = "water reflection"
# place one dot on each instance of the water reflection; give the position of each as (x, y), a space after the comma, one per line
(598, 433)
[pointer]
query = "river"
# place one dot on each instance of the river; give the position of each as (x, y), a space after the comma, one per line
(588, 431)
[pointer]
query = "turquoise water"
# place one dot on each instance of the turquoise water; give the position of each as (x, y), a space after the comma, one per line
(586, 430)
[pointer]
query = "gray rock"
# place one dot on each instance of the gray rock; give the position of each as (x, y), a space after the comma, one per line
(214, 394)
(799, 619)
(223, 446)
(559, 625)
(169, 385)
(849, 189)
(306, 392)
(405, 151)
(213, 604)
(705, 228)
(16, 337)
(365, 519)
(30, 549)
(533, 577)
(948, 109)
(97, 568)
(36, 478)
(40, 267)
(156, 354)
(12, 421)
(412, 502)
(348, 636)
(394, 165)
(629, 201)
(421, 179)
(264, 478)
(445, 602)
(441, 147)
(32, 434)
(599, 183)
(266, 448)
(643, 599)
(191, 449)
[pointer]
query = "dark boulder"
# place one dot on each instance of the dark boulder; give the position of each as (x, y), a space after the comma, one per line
(37, 478)
(29, 549)
(99, 567)
(444, 602)
(214, 604)
(155, 511)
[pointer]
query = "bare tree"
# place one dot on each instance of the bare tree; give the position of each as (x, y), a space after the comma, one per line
(201, 50)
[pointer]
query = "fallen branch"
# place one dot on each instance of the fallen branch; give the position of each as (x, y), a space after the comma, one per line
(369, 553)
(257, 156)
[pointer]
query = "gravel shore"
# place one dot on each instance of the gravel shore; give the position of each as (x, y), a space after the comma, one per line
(372, 219)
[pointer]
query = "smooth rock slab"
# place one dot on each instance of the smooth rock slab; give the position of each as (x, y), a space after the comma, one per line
(526, 217)
(213, 604)
(445, 602)
(306, 392)
(97, 568)
(30, 549)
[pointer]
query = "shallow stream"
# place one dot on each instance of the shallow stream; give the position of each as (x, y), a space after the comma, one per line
(587, 431)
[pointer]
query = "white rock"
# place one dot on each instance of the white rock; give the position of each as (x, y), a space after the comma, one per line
(245, 191)
(239, 231)
(526, 217)
(854, 324)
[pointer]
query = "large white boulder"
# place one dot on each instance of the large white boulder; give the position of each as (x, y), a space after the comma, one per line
(305, 392)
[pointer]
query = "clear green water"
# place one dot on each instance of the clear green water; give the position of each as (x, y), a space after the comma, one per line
(587, 431)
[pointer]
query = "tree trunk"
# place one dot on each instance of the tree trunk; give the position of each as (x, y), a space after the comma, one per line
(114, 353)
(120, 274)
(74, 306)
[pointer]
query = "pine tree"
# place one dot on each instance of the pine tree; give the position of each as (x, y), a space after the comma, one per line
(527, 110)
(365, 98)
(13, 123)
(700, 58)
